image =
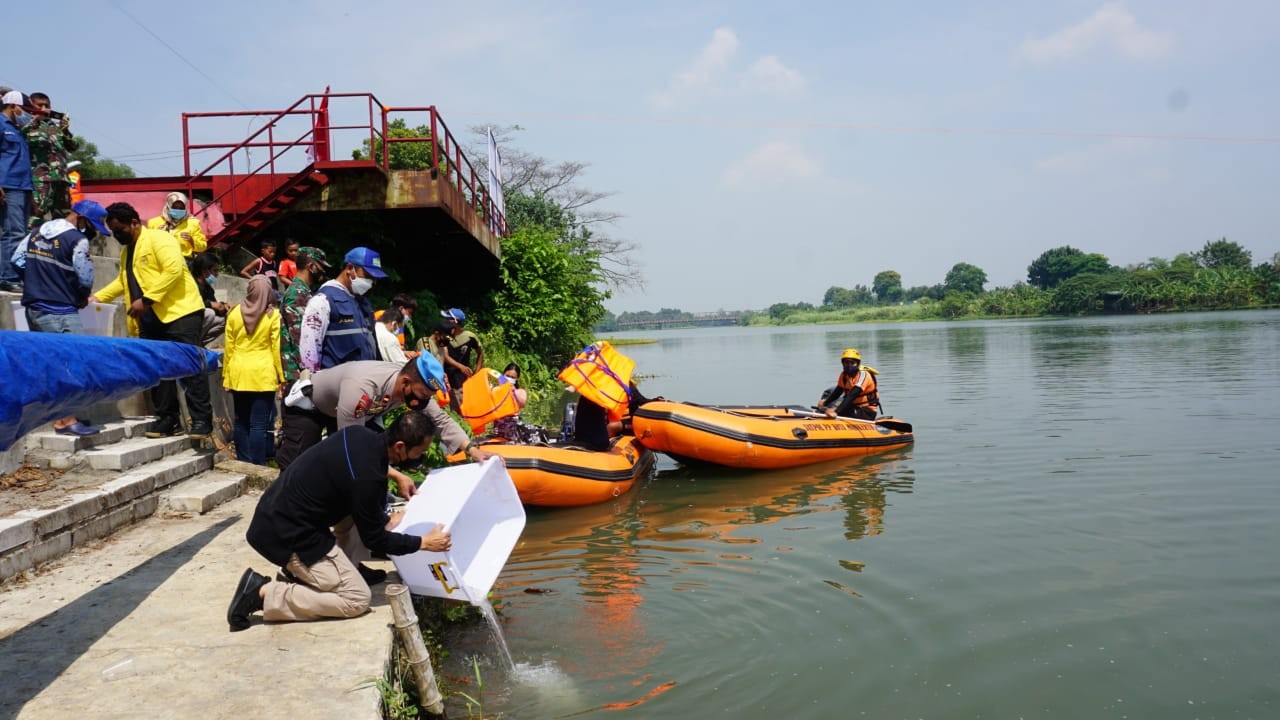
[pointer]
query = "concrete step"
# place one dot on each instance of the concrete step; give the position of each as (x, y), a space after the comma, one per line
(204, 492)
(135, 451)
(112, 432)
(33, 537)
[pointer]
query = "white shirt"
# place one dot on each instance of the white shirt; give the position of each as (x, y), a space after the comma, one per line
(388, 344)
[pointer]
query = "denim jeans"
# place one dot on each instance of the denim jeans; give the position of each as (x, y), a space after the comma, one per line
(14, 226)
(40, 321)
(253, 424)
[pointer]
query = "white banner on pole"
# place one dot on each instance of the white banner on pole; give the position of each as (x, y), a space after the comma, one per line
(495, 174)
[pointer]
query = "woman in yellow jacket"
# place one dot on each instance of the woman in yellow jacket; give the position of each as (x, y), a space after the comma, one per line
(177, 220)
(251, 369)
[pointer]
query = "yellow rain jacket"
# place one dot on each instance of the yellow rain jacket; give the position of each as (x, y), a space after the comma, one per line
(162, 274)
(251, 363)
(188, 225)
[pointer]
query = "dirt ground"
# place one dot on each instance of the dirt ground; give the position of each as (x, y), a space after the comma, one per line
(30, 488)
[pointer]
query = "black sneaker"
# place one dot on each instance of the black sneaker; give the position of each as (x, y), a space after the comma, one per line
(200, 430)
(246, 600)
(164, 427)
(372, 576)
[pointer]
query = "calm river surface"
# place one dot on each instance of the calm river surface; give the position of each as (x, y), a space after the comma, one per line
(1088, 526)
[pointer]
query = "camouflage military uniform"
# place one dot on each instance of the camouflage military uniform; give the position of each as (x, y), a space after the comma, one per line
(51, 147)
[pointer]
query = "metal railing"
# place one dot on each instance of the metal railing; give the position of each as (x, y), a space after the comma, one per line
(302, 134)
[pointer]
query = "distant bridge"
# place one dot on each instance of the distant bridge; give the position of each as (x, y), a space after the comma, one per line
(688, 320)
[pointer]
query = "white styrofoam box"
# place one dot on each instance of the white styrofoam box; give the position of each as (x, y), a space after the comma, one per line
(98, 318)
(479, 505)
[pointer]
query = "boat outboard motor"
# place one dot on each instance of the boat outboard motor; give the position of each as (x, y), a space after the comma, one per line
(826, 394)
(566, 426)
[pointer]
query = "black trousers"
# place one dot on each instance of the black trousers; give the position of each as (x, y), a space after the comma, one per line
(299, 430)
(186, 329)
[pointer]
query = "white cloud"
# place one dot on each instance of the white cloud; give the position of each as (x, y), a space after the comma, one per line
(712, 71)
(1112, 27)
(706, 69)
(769, 74)
(771, 163)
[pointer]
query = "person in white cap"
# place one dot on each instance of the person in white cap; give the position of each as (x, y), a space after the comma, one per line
(15, 184)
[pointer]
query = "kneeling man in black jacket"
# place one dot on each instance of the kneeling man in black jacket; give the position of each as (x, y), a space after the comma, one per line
(343, 476)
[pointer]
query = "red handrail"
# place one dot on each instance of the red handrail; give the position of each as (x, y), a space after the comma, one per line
(457, 169)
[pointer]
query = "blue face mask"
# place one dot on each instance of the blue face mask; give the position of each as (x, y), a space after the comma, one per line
(22, 120)
(210, 280)
(177, 214)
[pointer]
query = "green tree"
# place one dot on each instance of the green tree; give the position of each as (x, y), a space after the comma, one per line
(837, 297)
(956, 304)
(95, 167)
(932, 292)
(1223, 254)
(965, 278)
(888, 286)
(1054, 266)
(549, 298)
(401, 155)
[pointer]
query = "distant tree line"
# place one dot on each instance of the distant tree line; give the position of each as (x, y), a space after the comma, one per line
(1069, 281)
(1061, 281)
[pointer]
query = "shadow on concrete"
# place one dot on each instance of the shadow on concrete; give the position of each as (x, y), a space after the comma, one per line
(38, 654)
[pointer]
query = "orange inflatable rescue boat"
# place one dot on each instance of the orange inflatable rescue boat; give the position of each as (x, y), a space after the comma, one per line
(565, 475)
(760, 436)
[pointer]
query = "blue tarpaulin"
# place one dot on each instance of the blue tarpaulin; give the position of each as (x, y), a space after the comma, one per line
(45, 376)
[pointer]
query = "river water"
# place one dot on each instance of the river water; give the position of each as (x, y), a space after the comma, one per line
(1088, 526)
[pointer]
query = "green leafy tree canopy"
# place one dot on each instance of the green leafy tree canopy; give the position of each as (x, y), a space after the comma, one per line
(1054, 266)
(1223, 254)
(965, 278)
(95, 167)
(888, 286)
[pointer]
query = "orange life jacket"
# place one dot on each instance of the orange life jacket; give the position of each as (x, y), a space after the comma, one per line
(76, 194)
(865, 380)
(487, 395)
(602, 375)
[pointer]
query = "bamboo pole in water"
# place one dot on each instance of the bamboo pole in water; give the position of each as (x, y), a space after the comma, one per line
(406, 622)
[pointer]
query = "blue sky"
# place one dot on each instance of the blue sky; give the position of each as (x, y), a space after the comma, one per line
(763, 152)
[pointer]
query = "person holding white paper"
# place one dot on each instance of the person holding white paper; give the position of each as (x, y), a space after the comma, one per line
(343, 476)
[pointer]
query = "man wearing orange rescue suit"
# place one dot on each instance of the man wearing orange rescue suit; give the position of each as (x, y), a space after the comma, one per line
(855, 393)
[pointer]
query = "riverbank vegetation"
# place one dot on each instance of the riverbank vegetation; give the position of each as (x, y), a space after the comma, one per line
(1061, 281)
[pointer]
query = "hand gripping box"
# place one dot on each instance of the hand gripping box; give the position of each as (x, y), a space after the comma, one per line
(480, 506)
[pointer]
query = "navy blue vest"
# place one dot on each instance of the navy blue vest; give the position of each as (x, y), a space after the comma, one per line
(50, 277)
(350, 333)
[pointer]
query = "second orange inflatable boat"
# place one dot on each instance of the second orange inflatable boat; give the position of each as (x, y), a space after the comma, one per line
(761, 436)
(566, 475)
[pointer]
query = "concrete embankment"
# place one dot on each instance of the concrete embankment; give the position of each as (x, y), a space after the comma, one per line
(135, 626)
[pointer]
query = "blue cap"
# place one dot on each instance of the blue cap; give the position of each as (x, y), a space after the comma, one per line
(432, 371)
(92, 211)
(367, 259)
(454, 314)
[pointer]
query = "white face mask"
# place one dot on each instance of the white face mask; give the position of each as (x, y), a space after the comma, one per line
(360, 285)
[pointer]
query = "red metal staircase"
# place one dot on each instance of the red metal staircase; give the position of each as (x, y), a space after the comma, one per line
(297, 143)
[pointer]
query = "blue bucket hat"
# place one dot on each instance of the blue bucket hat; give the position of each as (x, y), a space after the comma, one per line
(368, 259)
(432, 371)
(92, 211)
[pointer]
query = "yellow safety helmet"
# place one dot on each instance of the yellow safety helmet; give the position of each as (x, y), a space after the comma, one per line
(851, 354)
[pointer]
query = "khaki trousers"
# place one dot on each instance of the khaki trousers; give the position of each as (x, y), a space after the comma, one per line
(349, 540)
(328, 588)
